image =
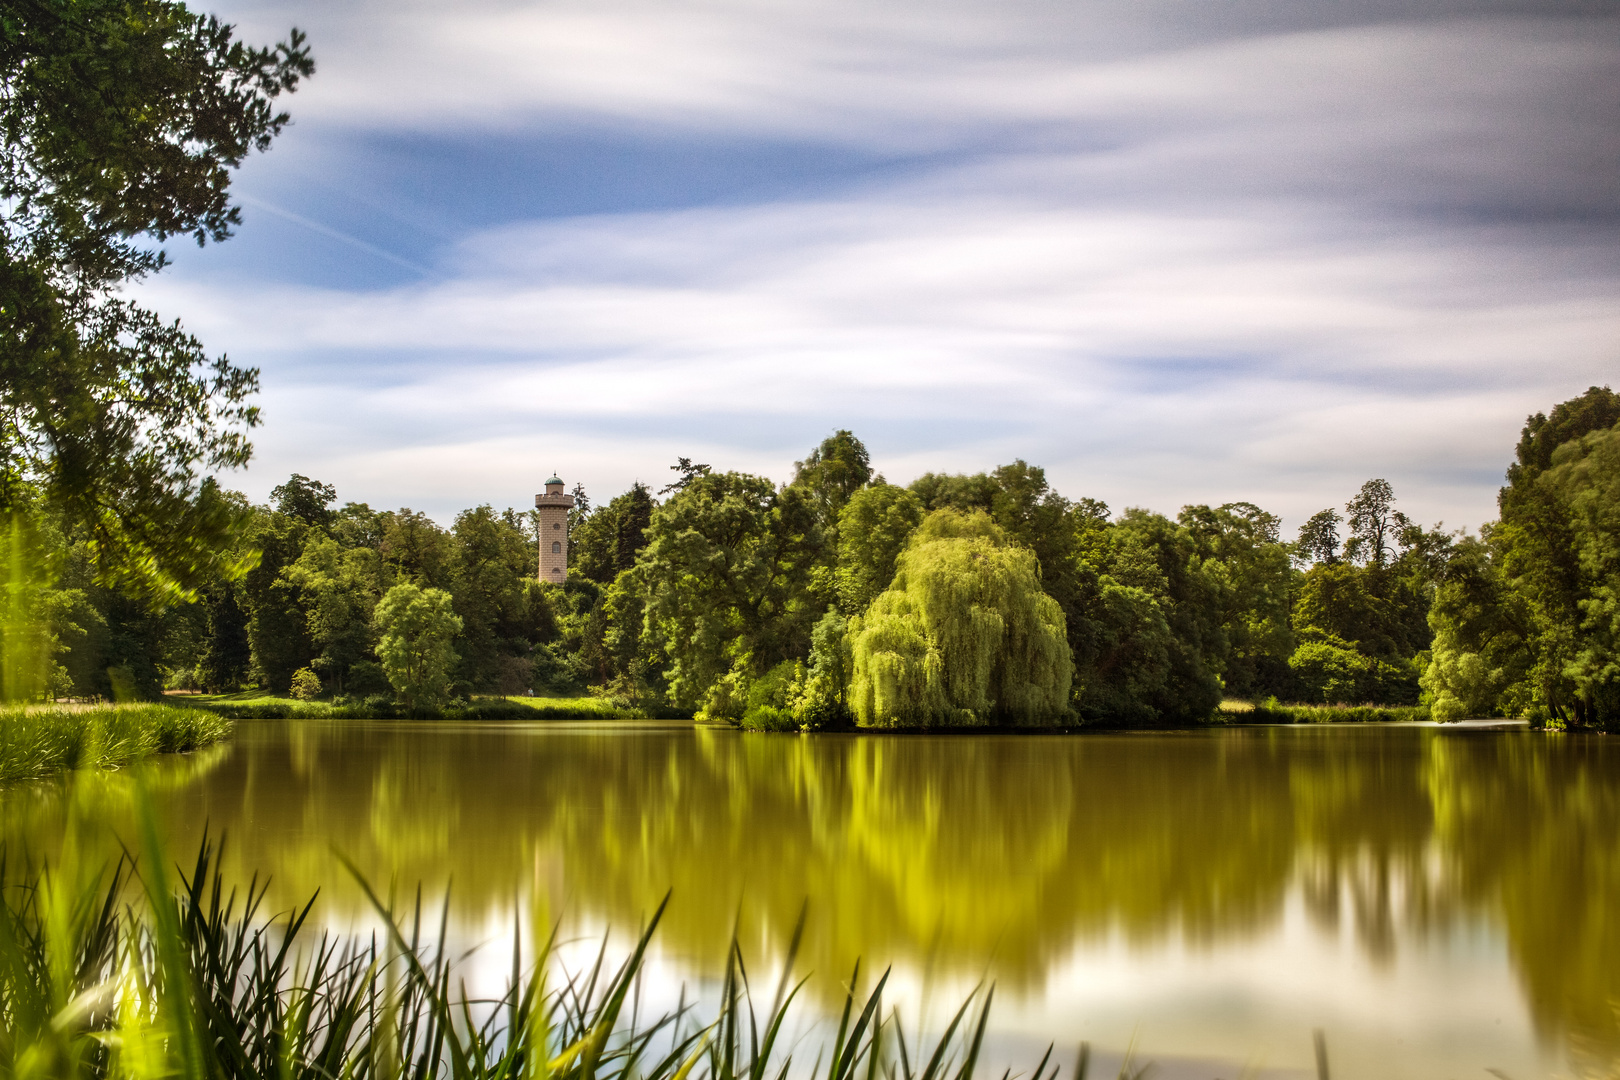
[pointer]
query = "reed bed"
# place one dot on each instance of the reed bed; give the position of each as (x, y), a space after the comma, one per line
(38, 740)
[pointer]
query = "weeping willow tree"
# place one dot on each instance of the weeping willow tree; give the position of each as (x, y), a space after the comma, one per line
(963, 636)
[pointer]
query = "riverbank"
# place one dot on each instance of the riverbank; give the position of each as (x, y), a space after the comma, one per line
(254, 706)
(38, 740)
(1242, 712)
(1229, 713)
(383, 707)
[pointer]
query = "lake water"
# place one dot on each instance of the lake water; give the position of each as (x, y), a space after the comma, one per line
(1439, 902)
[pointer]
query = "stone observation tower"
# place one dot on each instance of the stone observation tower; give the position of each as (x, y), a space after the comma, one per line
(553, 507)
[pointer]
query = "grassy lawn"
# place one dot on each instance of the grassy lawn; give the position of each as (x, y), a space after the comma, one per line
(257, 705)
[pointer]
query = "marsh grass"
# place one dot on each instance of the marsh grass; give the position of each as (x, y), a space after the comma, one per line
(38, 740)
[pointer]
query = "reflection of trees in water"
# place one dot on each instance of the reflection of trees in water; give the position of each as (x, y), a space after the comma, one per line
(1363, 827)
(98, 806)
(954, 852)
(1530, 827)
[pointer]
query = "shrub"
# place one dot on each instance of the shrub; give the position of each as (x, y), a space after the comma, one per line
(726, 700)
(769, 718)
(306, 685)
(770, 699)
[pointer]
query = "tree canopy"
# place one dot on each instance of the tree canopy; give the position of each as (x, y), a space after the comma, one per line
(963, 636)
(122, 121)
(986, 598)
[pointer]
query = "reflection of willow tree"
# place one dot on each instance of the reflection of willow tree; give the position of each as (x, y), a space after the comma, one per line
(1003, 849)
(973, 851)
(1531, 826)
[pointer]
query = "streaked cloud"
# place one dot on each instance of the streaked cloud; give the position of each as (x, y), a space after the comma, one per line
(1171, 258)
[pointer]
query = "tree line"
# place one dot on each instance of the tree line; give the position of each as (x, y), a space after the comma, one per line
(832, 598)
(841, 598)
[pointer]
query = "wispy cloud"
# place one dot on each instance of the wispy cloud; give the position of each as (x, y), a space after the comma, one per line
(1173, 258)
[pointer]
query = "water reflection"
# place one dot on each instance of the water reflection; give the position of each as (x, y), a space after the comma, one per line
(961, 854)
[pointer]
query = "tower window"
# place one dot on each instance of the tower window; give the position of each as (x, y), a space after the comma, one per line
(556, 547)
(558, 525)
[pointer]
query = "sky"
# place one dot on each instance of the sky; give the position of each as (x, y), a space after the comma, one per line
(1174, 251)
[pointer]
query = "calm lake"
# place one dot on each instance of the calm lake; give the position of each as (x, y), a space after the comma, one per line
(1439, 901)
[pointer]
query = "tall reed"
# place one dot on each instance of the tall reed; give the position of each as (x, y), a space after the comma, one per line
(40, 740)
(118, 974)
(194, 980)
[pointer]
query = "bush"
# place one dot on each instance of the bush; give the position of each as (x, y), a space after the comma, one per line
(726, 700)
(769, 718)
(306, 685)
(770, 699)
(555, 670)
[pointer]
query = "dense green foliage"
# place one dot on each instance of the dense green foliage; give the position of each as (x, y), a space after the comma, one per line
(727, 573)
(389, 707)
(127, 567)
(875, 524)
(122, 121)
(415, 627)
(1527, 620)
(604, 544)
(963, 636)
(840, 598)
(1270, 712)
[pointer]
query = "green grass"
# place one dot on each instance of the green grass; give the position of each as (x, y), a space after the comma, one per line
(1240, 712)
(383, 707)
(575, 708)
(40, 740)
